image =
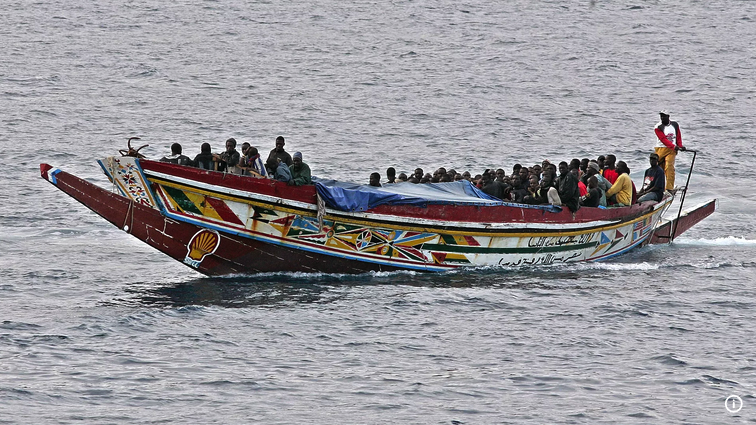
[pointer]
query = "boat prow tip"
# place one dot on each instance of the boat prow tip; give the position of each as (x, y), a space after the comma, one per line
(44, 169)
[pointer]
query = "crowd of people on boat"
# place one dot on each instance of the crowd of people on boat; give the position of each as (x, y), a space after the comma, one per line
(603, 182)
(279, 165)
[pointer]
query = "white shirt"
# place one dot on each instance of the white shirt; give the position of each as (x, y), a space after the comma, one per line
(668, 131)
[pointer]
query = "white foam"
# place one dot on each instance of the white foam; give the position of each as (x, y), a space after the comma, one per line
(727, 241)
(619, 266)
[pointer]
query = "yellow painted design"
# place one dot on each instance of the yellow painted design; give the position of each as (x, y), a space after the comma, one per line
(199, 201)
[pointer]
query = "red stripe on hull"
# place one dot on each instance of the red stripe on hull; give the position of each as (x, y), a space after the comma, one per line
(234, 254)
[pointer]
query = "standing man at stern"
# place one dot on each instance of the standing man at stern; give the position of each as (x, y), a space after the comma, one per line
(669, 141)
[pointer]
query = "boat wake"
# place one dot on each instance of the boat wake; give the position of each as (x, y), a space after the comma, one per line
(725, 241)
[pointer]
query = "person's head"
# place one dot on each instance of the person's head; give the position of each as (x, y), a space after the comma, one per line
(375, 179)
(296, 159)
(546, 180)
(441, 171)
(445, 178)
(563, 168)
(251, 151)
(280, 142)
(500, 174)
(534, 182)
(610, 161)
(458, 177)
(176, 149)
(593, 168)
(402, 177)
(412, 179)
(545, 164)
(524, 173)
(418, 173)
(205, 148)
(391, 173)
(537, 169)
(584, 164)
(575, 172)
(575, 163)
(592, 182)
(466, 175)
(244, 147)
(600, 161)
(426, 178)
(230, 144)
(622, 168)
(653, 159)
(664, 115)
(516, 169)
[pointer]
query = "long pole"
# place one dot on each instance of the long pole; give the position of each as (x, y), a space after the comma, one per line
(682, 198)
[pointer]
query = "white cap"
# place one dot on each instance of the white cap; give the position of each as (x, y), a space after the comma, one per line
(664, 112)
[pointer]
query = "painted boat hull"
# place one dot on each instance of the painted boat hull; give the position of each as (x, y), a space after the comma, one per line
(220, 224)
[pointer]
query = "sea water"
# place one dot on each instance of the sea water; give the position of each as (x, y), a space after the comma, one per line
(96, 327)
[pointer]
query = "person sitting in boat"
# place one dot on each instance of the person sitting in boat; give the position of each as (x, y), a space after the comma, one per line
(375, 180)
(278, 153)
(567, 188)
(252, 164)
(176, 157)
(548, 191)
(582, 188)
(621, 192)
(403, 177)
(600, 161)
(491, 186)
(228, 161)
(653, 181)
(534, 196)
(300, 172)
(204, 159)
(603, 184)
(516, 170)
(418, 174)
(390, 175)
(610, 172)
(594, 195)
(282, 172)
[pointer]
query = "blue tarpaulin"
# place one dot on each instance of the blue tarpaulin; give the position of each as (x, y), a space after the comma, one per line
(346, 196)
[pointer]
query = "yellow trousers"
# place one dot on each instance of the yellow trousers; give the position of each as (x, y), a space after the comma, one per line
(667, 162)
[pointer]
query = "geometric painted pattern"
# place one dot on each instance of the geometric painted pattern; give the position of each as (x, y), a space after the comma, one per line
(381, 244)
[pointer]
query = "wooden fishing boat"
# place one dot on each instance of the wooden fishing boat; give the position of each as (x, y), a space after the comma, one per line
(219, 223)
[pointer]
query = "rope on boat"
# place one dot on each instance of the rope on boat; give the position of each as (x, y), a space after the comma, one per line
(130, 210)
(321, 211)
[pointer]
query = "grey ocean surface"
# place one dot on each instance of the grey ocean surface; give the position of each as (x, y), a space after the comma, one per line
(96, 327)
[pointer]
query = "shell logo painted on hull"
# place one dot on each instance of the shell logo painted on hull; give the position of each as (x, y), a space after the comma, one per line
(202, 244)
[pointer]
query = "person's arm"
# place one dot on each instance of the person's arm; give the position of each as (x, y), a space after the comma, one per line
(678, 136)
(616, 187)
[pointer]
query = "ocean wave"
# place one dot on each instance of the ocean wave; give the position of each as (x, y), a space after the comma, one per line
(725, 241)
